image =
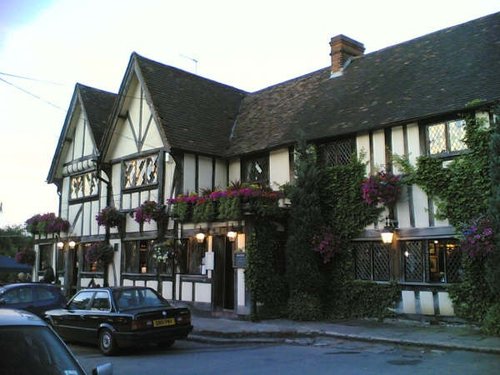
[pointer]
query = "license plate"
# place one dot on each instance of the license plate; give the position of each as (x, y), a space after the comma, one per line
(163, 322)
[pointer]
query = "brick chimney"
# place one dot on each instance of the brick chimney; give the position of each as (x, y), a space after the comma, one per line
(343, 48)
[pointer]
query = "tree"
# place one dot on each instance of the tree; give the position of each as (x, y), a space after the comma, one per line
(12, 239)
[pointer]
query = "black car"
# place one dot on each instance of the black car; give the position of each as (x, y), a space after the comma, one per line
(117, 317)
(33, 297)
(28, 345)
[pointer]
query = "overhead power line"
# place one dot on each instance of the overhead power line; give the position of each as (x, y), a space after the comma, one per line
(31, 79)
(32, 94)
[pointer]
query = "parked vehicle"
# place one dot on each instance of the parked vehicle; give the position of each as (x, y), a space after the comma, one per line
(28, 345)
(33, 297)
(117, 317)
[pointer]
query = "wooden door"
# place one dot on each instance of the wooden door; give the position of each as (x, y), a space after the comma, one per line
(223, 274)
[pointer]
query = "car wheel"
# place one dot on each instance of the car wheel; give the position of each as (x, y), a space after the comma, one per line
(166, 344)
(107, 343)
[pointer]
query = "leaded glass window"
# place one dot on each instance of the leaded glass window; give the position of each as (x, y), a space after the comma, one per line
(84, 185)
(433, 261)
(446, 137)
(371, 261)
(141, 172)
(338, 152)
(256, 170)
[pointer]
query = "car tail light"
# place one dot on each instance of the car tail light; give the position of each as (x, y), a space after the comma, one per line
(183, 319)
(141, 324)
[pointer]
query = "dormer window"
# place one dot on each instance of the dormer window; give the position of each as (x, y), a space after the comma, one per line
(445, 138)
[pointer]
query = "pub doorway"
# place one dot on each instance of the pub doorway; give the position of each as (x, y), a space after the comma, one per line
(223, 287)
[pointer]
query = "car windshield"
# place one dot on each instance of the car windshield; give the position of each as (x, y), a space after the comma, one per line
(31, 350)
(135, 298)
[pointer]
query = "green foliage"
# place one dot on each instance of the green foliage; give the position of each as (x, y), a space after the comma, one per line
(461, 189)
(304, 307)
(306, 216)
(229, 208)
(493, 261)
(204, 210)
(360, 299)
(263, 276)
(472, 297)
(491, 322)
(12, 239)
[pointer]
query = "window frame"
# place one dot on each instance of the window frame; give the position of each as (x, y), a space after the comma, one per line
(84, 197)
(447, 153)
(263, 180)
(144, 186)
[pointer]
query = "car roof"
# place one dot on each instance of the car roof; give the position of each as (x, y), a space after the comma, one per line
(12, 317)
(116, 288)
(17, 285)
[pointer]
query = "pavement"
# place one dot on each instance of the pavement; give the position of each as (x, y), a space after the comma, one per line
(434, 335)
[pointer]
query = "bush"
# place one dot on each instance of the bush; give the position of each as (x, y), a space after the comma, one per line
(304, 307)
(491, 322)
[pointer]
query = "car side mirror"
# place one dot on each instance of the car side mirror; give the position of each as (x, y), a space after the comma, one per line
(2, 301)
(105, 369)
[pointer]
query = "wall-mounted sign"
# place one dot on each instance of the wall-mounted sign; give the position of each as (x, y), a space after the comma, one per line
(239, 259)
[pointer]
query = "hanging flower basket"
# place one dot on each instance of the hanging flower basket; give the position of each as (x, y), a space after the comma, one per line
(47, 223)
(149, 210)
(110, 217)
(382, 188)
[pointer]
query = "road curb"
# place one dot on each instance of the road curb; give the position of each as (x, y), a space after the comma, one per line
(285, 336)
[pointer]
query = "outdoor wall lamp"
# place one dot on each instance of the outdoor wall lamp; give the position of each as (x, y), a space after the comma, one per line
(71, 245)
(200, 236)
(387, 233)
(232, 234)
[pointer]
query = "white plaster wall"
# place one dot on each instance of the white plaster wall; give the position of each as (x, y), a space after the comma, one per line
(234, 170)
(139, 134)
(426, 303)
(363, 149)
(205, 172)
(379, 150)
(279, 168)
(203, 292)
(240, 286)
(189, 173)
(221, 174)
(409, 302)
(445, 304)
(187, 291)
(420, 202)
(402, 205)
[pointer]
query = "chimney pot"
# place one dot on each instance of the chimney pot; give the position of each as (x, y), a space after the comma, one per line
(343, 48)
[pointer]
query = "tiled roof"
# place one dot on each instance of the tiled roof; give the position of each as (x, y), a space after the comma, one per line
(98, 105)
(435, 74)
(196, 114)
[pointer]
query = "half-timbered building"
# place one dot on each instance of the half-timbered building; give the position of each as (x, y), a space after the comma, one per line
(168, 132)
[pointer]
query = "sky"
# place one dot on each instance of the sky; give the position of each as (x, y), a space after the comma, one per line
(47, 46)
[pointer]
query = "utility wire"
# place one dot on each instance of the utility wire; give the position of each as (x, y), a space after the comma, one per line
(32, 79)
(32, 94)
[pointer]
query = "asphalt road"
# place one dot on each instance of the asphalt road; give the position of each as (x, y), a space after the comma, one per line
(296, 358)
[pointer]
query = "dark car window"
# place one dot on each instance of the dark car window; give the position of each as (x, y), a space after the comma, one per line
(101, 302)
(46, 294)
(34, 350)
(133, 298)
(81, 301)
(18, 295)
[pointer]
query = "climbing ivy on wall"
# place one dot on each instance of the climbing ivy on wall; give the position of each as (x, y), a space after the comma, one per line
(462, 192)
